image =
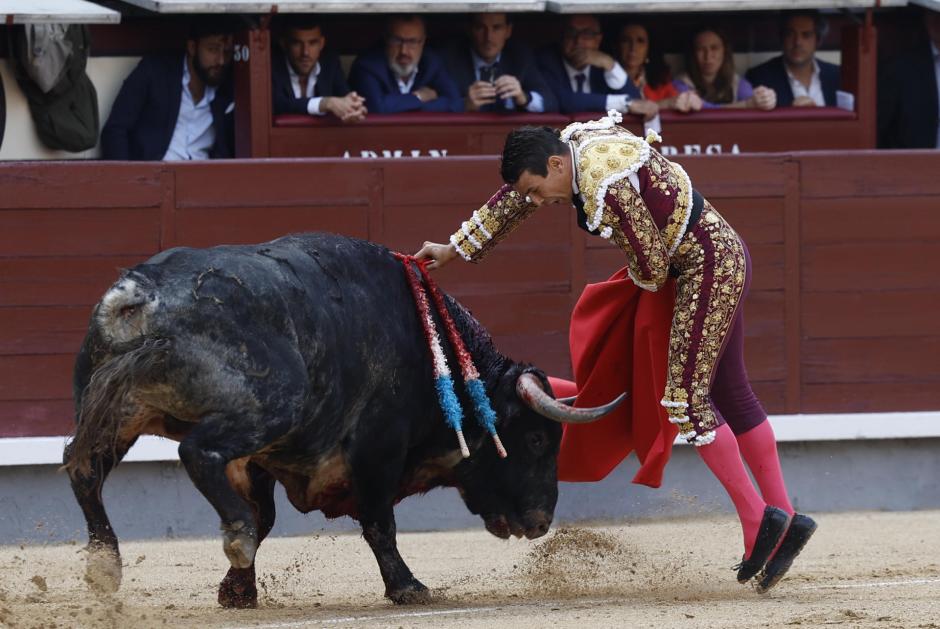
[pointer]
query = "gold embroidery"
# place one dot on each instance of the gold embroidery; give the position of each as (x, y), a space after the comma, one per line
(694, 347)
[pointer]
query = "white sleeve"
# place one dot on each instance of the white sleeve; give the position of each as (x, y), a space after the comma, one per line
(616, 77)
(619, 102)
(536, 103)
(313, 106)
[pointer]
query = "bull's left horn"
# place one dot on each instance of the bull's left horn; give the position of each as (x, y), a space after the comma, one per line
(534, 396)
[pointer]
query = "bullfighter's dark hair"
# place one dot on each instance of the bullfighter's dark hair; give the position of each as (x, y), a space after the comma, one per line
(528, 148)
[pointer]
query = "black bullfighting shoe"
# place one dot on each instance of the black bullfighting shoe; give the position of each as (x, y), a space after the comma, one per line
(772, 527)
(801, 529)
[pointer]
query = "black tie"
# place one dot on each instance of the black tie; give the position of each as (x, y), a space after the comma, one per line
(580, 78)
(488, 73)
(578, 203)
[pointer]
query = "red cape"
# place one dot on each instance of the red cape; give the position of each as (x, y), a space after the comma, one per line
(619, 340)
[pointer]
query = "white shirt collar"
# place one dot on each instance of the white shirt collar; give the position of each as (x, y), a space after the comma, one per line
(479, 61)
(295, 79)
(208, 93)
(574, 170)
(573, 72)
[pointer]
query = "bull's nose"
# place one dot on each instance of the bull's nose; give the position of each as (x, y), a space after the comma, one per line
(538, 523)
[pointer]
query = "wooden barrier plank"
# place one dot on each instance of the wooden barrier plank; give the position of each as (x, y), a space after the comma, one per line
(727, 176)
(47, 377)
(428, 181)
(79, 185)
(526, 314)
(893, 359)
(42, 330)
(868, 397)
(759, 220)
(870, 266)
(207, 227)
(867, 174)
(59, 281)
(273, 183)
(86, 232)
(36, 418)
(870, 219)
(871, 314)
(771, 395)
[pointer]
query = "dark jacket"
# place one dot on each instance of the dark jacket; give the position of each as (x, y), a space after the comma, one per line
(552, 67)
(330, 82)
(907, 102)
(373, 80)
(773, 74)
(144, 113)
(515, 59)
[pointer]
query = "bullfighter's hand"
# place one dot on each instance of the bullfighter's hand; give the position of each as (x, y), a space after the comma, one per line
(438, 254)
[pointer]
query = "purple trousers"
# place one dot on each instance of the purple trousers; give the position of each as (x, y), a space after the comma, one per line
(707, 383)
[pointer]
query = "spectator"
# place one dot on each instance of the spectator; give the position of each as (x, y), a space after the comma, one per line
(404, 77)
(797, 76)
(710, 72)
(583, 77)
(306, 81)
(494, 73)
(909, 94)
(176, 107)
(647, 70)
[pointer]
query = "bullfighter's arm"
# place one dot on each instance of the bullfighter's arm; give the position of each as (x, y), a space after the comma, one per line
(491, 223)
(647, 255)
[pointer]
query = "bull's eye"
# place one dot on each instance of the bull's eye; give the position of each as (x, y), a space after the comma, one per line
(537, 442)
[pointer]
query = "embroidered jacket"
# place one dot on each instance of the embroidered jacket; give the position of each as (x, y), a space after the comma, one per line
(646, 223)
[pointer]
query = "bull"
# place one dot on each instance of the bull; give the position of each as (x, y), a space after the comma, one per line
(300, 361)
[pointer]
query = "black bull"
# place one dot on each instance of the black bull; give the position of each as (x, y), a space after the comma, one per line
(301, 361)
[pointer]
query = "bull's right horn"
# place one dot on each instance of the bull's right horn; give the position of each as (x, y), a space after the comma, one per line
(534, 396)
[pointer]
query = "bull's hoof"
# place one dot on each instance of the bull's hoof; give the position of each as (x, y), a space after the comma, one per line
(413, 593)
(239, 544)
(103, 569)
(238, 590)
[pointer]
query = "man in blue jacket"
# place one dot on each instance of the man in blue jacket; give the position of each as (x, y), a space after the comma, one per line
(495, 73)
(582, 76)
(304, 80)
(797, 76)
(404, 76)
(176, 107)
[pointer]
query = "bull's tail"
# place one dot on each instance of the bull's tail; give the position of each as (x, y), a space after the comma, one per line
(108, 412)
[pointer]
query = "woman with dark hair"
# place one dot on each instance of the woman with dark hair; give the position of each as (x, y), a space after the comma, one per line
(710, 73)
(647, 70)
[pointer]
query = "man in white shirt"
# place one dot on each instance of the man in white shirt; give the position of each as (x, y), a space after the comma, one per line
(176, 107)
(582, 76)
(797, 76)
(494, 73)
(304, 80)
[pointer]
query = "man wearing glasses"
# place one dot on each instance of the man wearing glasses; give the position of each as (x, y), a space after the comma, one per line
(583, 77)
(404, 77)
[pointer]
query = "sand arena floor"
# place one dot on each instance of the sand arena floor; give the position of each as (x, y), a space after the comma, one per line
(860, 570)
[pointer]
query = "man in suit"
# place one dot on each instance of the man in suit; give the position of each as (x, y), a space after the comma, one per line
(582, 77)
(404, 76)
(797, 77)
(306, 81)
(496, 74)
(176, 107)
(909, 95)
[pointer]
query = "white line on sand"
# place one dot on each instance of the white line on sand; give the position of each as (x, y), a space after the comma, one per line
(870, 584)
(338, 620)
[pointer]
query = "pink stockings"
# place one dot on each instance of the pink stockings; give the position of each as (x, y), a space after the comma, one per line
(759, 448)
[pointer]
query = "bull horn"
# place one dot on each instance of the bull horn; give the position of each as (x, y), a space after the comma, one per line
(534, 396)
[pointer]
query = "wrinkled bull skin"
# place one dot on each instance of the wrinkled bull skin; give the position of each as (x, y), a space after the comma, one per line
(302, 361)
